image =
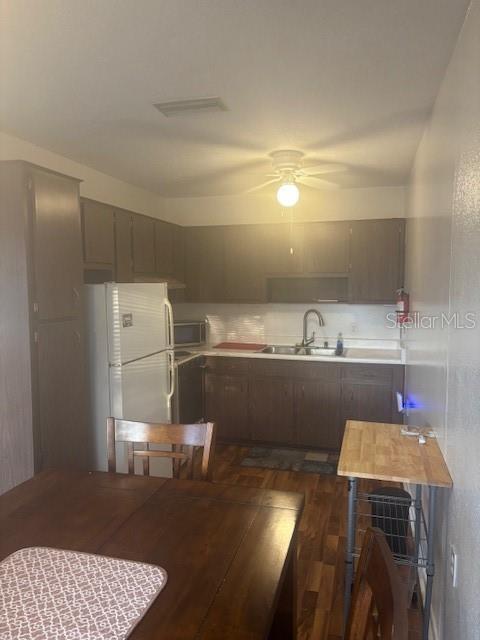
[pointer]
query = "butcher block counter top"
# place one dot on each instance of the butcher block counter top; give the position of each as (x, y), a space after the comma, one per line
(379, 451)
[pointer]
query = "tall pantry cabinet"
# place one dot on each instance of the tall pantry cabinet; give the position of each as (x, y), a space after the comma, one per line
(43, 390)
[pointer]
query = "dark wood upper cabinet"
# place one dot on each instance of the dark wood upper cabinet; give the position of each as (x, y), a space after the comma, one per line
(164, 248)
(143, 230)
(377, 249)
(123, 246)
(243, 264)
(98, 233)
(179, 253)
(308, 289)
(57, 245)
(359, 262)
(326, 247)
(118, 244)
(282, 248)
(204, 264)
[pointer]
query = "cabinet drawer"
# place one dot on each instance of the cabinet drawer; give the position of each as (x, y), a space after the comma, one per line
(221, 364)
(368, 373)
(295, 369)
(271, 367)
(324, 371)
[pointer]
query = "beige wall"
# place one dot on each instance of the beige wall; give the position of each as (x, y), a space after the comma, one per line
(348, 204)
(341, 204)
(95, 185)
(443, 371)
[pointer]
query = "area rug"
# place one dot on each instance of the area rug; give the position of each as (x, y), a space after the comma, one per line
(291, 460)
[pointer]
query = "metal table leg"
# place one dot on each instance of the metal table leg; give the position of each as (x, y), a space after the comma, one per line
(432, 495)
(351, 526)
(418, 519)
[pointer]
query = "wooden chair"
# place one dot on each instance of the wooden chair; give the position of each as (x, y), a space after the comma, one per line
(184, 438)
(379, 602)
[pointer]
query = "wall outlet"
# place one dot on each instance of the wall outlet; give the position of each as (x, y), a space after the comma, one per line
(354, 327)
(453, 566)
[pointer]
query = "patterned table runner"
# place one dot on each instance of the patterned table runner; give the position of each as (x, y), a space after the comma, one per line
(51, 594)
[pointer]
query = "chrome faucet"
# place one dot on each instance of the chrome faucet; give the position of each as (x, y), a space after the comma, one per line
(307, 341)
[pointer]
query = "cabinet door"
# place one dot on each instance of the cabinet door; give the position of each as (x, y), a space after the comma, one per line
(204, 264)
(190, 390)
(369, 402)
(62, 397)
(282, 248)
(123, 246)
(317, 414)
(143, 244)
(271, 409)
(326, 247)
(98, 233)
(57, 245)
(226, 404)
(179, 253)
(164, 248)
(376, 260)
(244, 268)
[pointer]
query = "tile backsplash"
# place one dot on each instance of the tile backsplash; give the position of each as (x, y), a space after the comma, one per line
(361, 325)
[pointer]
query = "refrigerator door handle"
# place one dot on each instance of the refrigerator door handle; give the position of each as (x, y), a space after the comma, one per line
(170, 331)
(171, 370)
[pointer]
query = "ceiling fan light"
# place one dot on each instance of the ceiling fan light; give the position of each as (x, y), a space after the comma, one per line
(288, 194)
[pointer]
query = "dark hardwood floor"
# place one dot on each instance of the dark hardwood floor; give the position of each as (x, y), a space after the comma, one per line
(321, 539)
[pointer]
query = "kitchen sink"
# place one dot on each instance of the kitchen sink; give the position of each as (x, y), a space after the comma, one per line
(300, 351)
(318, 351)
(281, 350)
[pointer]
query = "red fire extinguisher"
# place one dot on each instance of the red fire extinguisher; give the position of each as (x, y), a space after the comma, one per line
(403, 306)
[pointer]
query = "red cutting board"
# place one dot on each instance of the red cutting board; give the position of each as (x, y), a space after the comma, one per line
(240, 346)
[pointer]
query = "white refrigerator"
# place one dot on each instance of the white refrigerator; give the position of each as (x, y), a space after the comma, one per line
(131, 362)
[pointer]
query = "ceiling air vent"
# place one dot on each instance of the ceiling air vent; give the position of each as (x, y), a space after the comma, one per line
(185, 107)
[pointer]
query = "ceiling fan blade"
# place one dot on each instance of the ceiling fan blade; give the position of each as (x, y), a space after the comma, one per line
(261, 186)
(317, 183)
(319, 169)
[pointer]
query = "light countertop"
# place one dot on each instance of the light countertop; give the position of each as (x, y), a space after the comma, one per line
(354, 354)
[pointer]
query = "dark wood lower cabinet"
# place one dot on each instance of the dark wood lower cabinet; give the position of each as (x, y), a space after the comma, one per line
(317, 414)
(271, 410)
(296, 403)
(226, 403)
(62, 410)
(369, 402)
(188, 399)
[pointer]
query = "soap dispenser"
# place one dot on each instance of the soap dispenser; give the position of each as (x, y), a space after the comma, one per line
(339, 349)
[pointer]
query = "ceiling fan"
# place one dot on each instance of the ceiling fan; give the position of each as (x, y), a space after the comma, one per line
(288, 169)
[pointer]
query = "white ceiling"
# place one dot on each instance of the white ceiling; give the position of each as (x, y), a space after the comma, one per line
(348, 81)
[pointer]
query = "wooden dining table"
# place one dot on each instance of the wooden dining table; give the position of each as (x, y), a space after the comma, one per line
(230, 551)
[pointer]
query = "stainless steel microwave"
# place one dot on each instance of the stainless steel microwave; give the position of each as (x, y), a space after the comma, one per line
(190, 333)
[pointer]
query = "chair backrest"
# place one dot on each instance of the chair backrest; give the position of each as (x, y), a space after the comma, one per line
(184, 439)
(379, 602)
